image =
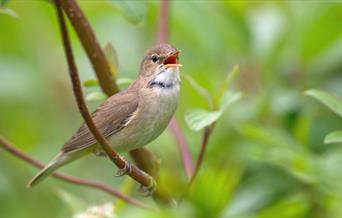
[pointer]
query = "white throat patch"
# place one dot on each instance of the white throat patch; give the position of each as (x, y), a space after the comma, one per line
(169, 77)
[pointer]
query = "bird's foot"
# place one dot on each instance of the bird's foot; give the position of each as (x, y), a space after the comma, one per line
(127, 169)
(148, 190)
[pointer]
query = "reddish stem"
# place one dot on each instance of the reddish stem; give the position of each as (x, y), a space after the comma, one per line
(183, 147)
(162, 36)
(163, 24)
(200, 158)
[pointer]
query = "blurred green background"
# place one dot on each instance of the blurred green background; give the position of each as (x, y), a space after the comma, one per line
(266, 157)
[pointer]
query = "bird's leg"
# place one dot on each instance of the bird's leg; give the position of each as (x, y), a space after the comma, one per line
(127, 169)
(148, 190)
(145, 190)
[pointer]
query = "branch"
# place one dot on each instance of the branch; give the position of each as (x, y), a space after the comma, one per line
(71, 179)
(205, 140)
(162, 37)
(91, 46)
(145, 159)
(135, 173)
(206, 135)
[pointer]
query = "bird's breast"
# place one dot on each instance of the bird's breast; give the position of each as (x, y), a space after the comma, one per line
(153, 114)
(159, 108)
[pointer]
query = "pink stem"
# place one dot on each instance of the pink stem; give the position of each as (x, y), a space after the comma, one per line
(162, 36)
(182, 146)
(199, 161)
(163, 24)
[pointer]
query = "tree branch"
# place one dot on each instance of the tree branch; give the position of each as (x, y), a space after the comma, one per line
(135, 173)
(6, 145)
(145, 159)
(91, 46)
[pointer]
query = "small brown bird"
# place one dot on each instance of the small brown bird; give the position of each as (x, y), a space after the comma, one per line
(131, 118)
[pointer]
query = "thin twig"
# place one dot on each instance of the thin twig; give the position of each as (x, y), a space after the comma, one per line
(200, 158)
(135, 173)
(6, 145)
(205, 140)
(91, 46)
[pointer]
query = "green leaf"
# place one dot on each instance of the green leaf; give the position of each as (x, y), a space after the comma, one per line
(228, 99)
(333, 137)
(91, 83)
(133, 10)
(112, 58)
(9, 12)
(331, 101)
(96, 96)
(120, 81)
(199, 89)
(197, 119)
(124, 81)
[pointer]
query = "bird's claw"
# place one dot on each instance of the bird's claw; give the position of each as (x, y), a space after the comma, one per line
(145, 190)
(127, 169)
(148, 190)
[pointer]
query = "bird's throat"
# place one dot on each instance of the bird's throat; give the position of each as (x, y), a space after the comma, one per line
(166, 79)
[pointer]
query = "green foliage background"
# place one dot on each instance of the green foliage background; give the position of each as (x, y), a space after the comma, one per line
(266, 157)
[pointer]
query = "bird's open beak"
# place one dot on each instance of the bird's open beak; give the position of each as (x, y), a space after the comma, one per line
(172, 60)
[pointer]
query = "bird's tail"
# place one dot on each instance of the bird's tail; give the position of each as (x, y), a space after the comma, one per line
(56, 163)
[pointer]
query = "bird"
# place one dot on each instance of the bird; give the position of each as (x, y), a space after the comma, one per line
(131, 118)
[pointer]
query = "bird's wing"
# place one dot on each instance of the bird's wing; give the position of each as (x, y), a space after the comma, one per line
(109, 118)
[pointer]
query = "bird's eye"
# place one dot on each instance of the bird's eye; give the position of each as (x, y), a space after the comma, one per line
(154, 58)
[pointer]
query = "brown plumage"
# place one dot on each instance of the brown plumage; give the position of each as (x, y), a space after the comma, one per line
(131, 118)
(106, 119)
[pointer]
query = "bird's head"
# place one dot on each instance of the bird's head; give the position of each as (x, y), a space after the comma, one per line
(160, 64)
(158, 57)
